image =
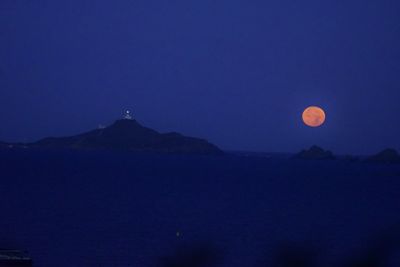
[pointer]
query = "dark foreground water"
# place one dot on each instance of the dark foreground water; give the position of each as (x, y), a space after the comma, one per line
(122, 209)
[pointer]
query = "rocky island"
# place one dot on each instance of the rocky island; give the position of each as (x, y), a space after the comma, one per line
(386, 156)
(127, 134)
(315, 153)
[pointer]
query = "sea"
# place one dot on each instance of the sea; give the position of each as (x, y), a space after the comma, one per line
(104, 208)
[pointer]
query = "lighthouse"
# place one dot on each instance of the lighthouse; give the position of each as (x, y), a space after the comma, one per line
(127, 115)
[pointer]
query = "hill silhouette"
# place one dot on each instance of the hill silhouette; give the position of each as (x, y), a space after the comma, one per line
(386, 156)
(129, 135)
(315, 153)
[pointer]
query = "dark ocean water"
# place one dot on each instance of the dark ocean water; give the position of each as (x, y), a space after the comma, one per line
(122, 209)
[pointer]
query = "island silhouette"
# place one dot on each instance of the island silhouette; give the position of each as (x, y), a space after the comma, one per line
(128, 134)
(125, 134)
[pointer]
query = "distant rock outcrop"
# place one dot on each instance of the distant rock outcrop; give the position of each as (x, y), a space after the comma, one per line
(129, 135)
(386, 156)
(315, 153)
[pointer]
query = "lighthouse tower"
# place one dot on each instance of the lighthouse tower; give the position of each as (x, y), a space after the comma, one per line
(127, 115)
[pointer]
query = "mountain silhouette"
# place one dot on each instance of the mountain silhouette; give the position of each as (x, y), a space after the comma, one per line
(129, 135)
(315, 153)
(386, 156)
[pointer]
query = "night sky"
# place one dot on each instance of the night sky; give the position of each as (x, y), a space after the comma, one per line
(238, 73)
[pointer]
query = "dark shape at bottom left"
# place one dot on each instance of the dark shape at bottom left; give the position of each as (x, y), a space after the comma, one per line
(12, 257)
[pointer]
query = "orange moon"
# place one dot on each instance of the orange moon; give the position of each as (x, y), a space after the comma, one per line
(314, 116)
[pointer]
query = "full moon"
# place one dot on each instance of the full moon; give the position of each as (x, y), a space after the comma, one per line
(314, 116)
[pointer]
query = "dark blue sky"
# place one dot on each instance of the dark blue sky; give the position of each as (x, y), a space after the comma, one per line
(238, 73)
